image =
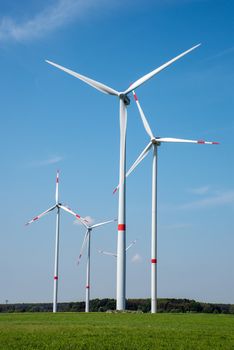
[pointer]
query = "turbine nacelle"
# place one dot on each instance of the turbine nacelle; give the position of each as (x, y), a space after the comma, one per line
(125, 99)
(155, 142)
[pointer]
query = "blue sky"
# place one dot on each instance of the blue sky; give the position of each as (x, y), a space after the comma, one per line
(50, 120)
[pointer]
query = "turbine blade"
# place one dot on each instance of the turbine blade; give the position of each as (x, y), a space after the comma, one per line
(83, 246)
(77, 216)
(40, 215)
(103, 223)
(107, 253)
(57, 188)
(137, 161)
(95, 84)
(131, 244)
(148, 76)
(143, 117)
(172, 139)
(140, 158)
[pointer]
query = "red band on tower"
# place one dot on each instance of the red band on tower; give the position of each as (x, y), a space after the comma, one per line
(154, 261)
(121, 227)
(55, 277)
(87, 287)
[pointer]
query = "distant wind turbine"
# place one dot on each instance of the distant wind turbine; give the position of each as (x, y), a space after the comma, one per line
(154, 143)
(124, 101)
(87, 242)
(57, 206)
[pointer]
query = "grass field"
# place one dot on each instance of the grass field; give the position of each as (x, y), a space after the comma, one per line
(116, 331)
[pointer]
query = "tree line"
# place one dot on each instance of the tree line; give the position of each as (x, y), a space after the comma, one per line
(132, 305)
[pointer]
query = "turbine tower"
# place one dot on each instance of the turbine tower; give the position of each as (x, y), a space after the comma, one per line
(154, 143)
(57, 206)
(124, 101)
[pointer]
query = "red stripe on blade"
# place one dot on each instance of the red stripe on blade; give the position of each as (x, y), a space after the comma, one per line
(154, 261)
(78, 216)
(135, 97)
(215, 143)
(121, 227)
(87, 287)
(115, 190)
(36, 218)
(55, 277)
(201, 141)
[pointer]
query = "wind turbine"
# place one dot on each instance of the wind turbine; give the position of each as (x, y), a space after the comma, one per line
(115, 254)
(124, 101)
(57, 206)
(87, 241)
(154, 143)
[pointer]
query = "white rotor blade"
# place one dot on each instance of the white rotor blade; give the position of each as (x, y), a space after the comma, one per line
(107, 253)
(95, 84)
(131, 244)
(77, 216)
(102, 223)
(83, 246)
(146, 77)
(143, 117)
(115, 255)
(57, 188)
(40, 215)
(137, 161)
(172, 139)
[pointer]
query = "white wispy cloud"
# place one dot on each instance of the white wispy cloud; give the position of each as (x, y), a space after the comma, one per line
(221, 198)
(225, 52)
(55, 15)
(49, 161)
(136, 258)
(60, 12)
(199, 190)
(90, 220)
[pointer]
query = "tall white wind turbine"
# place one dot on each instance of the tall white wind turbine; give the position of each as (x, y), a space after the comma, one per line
(154, 143)
(57, 206)
(124, 101)
(87, 242)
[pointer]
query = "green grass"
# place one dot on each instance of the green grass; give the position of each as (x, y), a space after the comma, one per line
(116, 331)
